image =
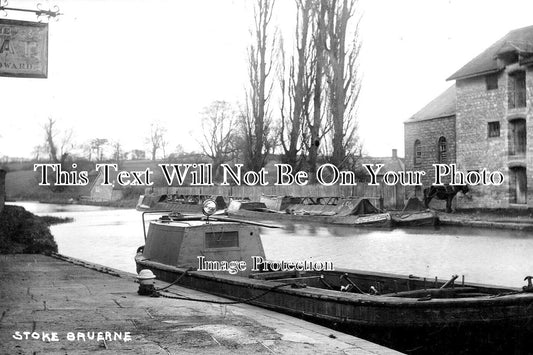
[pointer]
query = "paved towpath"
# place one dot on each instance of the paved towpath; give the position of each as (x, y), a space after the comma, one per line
(52, 299)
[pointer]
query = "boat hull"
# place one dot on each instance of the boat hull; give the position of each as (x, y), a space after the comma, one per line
(379, 220)
(416, 326)
(415, 219)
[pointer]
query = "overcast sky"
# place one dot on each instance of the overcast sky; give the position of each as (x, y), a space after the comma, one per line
(116, 66)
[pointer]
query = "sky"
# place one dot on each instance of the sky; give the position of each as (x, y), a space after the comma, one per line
(116, 66)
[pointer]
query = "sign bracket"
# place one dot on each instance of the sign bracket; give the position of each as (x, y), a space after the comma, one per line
(52, 12)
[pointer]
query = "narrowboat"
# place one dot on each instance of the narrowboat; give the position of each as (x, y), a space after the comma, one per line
(225, 257)
(357, 214)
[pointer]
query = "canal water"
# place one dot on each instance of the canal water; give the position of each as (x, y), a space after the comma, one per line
(110, 237)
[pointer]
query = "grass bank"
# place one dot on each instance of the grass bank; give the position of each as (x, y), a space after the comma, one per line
(24, 232)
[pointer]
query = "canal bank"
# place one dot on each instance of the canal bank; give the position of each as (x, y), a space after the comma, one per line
(520, 220)
(77, 303)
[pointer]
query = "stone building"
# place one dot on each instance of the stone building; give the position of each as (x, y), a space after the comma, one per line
(484, 121)
(430, 136)
(99, 192)
(392, 196)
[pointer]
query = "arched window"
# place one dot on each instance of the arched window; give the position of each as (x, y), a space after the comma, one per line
(418, 153)
(442, 150)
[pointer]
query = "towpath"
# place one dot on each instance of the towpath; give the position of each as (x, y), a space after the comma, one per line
(54, 306)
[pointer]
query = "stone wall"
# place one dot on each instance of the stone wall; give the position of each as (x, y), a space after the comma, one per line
(476, 107)
(428, 133)
(469, 144)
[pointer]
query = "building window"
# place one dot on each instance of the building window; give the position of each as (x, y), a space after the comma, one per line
(517, 89)
(494, 129)
(418, 153)
(517, 137)
(442, 150)
(491, 81)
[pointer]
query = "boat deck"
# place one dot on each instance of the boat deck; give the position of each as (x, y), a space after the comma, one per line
(45, 294)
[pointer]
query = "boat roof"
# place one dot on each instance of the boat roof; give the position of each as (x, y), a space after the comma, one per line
(193, 223)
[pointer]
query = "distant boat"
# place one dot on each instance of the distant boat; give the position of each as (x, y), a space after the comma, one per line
(415, 219)
(353, 217)
(350, 212)
(409, 313)
(356, 212)
(371, 220)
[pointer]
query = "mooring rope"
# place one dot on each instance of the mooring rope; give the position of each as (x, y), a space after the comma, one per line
(176, 281)
(250, 299)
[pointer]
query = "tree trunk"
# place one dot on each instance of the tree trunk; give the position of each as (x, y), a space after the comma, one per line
(314, 128)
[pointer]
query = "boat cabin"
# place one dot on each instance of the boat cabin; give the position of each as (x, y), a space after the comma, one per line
(216, 246)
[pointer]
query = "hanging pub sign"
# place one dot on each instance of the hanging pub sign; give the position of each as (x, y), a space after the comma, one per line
(23, 49)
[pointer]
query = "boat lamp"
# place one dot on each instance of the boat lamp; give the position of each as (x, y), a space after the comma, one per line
(209, 207)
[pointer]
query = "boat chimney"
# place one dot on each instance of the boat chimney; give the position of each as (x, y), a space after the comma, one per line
(395, 153)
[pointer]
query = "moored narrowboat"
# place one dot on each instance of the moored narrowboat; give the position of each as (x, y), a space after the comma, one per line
(225, 257)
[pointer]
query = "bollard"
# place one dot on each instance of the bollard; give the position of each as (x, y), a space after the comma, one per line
(146, 280)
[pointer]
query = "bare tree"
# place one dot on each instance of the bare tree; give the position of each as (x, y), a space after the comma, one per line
(39, 151)
(164, 144)
(218, 133)
(342, 74)
(179, 151)
(118, 154)
(297, 90)
(138, 154)
(156, 140)
(255, 118)
(87, 150)
(315, 124)
(98, 144)
(57, 145)
(51, 138)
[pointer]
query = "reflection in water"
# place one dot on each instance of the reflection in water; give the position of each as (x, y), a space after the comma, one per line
(482, 255)
(111, 236)
(102, 235)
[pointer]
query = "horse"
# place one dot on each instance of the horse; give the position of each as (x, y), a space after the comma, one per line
(445, 192)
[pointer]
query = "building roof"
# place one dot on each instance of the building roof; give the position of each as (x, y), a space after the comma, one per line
(443, 105)
(519, 40)
(392, 163)
(86, 190)
(112, 179)
(389, 163)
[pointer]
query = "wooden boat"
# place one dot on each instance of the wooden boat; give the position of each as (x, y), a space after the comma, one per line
(258, 211)
(415, 214)
(408, 313)
(382, 220)
(415, 219)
